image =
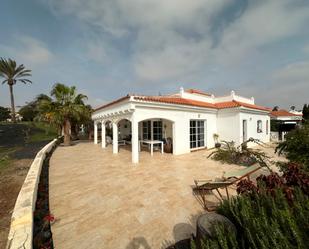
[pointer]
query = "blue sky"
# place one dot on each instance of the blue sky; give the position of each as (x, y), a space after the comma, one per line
(111, 48)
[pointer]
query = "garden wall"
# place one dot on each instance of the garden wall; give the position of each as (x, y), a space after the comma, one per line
(21, 230)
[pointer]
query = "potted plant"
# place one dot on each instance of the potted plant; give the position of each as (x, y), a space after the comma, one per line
(216, 138)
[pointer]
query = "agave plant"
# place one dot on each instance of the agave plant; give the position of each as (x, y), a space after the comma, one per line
(241, 155)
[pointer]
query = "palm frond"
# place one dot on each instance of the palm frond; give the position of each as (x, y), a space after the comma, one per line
(25, 81)
(13, 73)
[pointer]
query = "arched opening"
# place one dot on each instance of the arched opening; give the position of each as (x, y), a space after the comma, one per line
(149, 135)
(117, 133)
(124, 132)
(108, 133)
(156, 134)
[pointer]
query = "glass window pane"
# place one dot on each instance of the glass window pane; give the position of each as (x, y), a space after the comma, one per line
(197, 133)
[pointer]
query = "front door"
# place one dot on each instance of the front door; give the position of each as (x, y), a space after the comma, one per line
(244, 130)
(197, 134)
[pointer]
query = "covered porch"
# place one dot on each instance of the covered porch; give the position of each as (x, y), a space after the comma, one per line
(125, 130)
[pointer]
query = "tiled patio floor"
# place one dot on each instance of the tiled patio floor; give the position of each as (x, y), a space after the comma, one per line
(101, 200)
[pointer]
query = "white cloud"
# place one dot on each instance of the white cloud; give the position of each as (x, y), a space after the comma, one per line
(28, 50)
(172, 61)
(293, 73)
(162, 47)
(173, 41)
(119, 16)
(96, 52)
(306, 49)
(287, 86)
(262, 23)
(174, 38)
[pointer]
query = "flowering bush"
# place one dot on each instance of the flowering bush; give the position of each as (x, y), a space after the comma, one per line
(274, 213)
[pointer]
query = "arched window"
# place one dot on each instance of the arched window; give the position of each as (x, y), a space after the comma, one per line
(259, 126)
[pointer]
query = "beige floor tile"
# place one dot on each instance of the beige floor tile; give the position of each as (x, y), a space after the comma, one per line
(101, 200)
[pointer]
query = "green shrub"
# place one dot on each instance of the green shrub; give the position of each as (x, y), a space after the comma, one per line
(265, 221)
(274, 213)
(296, 146)
(222, 239)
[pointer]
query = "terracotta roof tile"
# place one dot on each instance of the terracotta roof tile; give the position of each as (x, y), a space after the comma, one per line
(283, 113)
(197, 92)
(234, 103)
(183, 101)
(176, 100)
(189, 102)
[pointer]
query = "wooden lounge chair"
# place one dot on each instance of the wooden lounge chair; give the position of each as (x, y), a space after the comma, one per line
(204, 187)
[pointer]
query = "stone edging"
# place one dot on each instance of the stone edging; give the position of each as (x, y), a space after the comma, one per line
(21, 229)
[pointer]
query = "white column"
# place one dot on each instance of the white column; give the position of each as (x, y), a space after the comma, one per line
(103, 135)
(115, 138)
(95, 133)
(135, 153)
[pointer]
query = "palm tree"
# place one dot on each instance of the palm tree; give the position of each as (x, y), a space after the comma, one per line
(64, 108)
(12, 74)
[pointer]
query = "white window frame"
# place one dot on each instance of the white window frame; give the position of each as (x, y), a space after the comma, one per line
(199, 126)
(145, 129)
(158, 135)
(259, 126)
(267, 127)
(148, 130)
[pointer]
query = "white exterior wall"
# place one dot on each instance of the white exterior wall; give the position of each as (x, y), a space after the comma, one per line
(230, 128)
(212, 99)
(252, 126)
(198, 97)
(228, 124)
(232, 97)
(181, 125)
(124, 128)
(168, 131)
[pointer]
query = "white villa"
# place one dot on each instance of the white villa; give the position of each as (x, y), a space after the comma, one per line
(186, 120)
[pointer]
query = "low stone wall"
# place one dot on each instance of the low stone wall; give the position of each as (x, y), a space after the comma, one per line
(21, 230)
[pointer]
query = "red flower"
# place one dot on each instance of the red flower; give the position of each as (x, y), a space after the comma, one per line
(49, 218)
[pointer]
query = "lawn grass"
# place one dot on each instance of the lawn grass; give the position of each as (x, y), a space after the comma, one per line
(34, 132)
(5, 158)
(39, 131)
(4, 162)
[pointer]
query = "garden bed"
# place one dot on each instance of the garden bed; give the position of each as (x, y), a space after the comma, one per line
(42, 235)
(22, 227)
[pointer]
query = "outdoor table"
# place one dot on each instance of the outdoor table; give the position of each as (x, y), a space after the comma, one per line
(151, 143)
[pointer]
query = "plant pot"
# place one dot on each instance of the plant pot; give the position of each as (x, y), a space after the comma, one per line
(168, 148)
(217, 145)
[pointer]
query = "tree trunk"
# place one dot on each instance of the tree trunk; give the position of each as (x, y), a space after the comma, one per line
(12, 103)
(67, 131)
